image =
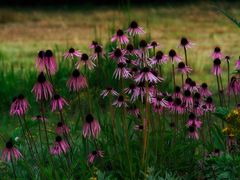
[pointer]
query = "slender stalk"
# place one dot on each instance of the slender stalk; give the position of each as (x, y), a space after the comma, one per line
(14, 172)
(228, 74)
(173, 74)
(40, 139)
(186, 58)
(219, 93)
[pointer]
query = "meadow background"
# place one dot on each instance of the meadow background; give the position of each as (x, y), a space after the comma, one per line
(26, 30)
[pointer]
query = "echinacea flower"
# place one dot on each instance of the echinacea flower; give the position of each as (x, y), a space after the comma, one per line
(138, 127)
(40, 61)
(85, 61)
(173, 56)
(71, 53)
(39, 118)
(146, 75)
(234, 86)
(187, 83)
(193, 87)
(154, 44)
(58, 102)
(118, 55)
(187, 98)
(121, 71)
(184, 69)
(143, 53)
(130, 50)
(107, 91)
(204, 91)
(98, 51)
(120, 102)
(185, 43)
(193, 121)
(217, 53)
(160, 58)
(77, 81)
(209, 104)
(133, 90)
(177, 92)
(93, 44)
(192, 132)
(178, 106)
(237, 65)
(134, 29)
(10, 152)
(91, 127)
(133, 110)
(227, 58)
(60, 146)
(62, 129)
(42, 88)
(93, 155)
(158, 100)
(19, 106)
(216, 69)
(120, 37)
(50, 62)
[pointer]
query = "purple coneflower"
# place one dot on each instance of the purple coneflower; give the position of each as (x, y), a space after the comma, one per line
(71, 53)
(120, 37)
(192, 132)
(173, 56)
(93, 155)
(234, 86)
(39, 118)
(121, 71)
(209, 104)
(77, 81)
(184, 69)
(138, 127)
(133, 89)
(40, 61)
(187, 98)
(60, 146)
(146, 75)
(62, 129)
(204, 91)
(143, 51)
(178, 106)
(177, 92)
(50, 62)
(216, 69)
(197, 108)
(193, 121)
(19, 105)
(93, 44)
(133, 110)
(85, 61)
(58, 102)
(154, 44)
(98, 51)
(118, 55)
(91, 127)
(158, 100)
(134, 29)
(10, 152)
(170, 101)
(237, 65)
(42, 88)
(185, 43)
(107, 91)
(130, 50)
(217, 53)
(120, 102)
(160, 58)
(193, 87)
